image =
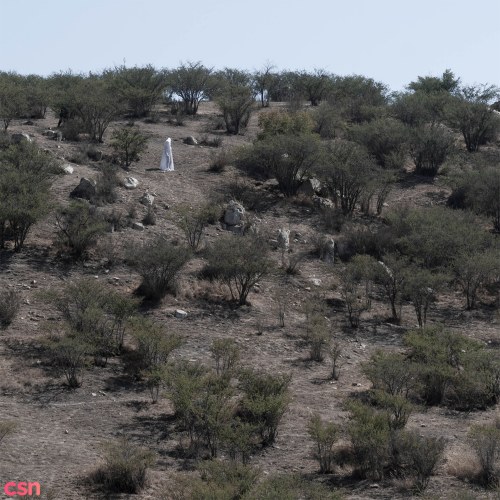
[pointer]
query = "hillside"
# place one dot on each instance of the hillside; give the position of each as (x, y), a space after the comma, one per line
(59, 433)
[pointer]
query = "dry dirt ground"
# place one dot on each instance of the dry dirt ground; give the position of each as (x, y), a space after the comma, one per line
(59, 434)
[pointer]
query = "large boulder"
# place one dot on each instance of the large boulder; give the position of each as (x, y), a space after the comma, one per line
(234, 214)
(131, 183)
(190, 141)
(85, 190)
(18, 138)
(310, 187)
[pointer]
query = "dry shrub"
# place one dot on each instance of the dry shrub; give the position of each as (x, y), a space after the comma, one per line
(125, 466)
(10, 301)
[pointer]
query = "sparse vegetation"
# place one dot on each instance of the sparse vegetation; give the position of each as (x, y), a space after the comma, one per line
(371, 335)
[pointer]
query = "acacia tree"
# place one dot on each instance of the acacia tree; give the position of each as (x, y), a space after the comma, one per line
(358, 98)
(429, 147)
(239, 262)
(262, 82)
(432, 84)
(314, 86)
(25, 177)
(479, 190)
(96, 105)
(474, 270)
(12, 98)
(140, 88)
(470, 113)
(235, 97)
(347, 173)
(192, 82)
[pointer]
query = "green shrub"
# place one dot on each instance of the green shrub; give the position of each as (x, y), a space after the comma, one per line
(96, 314)
(194, 221)
(158, 264)
(370, 437)
(226, 354)
(264, 402)
(128, 143)
(324, 435)
(397, 408)
(317, 336)
(239, 263)
(107, 183)
(453, 369)
(202, 403)
(485, 441)
(417, 456)
(221, 481)
(10, 302)
(79, 227)
(219, 161)
(125, 467)
(391, 373)
(291, 487)
(154, 345)
(69, 356)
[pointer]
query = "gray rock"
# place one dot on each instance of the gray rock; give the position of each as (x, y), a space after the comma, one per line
(234, 214)
(139, 226)
(56, 135)
(190, 141)
(131, 183)
(18, 138)
(147, 199)
(68, 169)
(179, 313)
(283, 239)
(321, 202)
(310, 187)
(85, 190)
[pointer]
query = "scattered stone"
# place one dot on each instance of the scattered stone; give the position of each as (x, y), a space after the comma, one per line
(139, 226)
(85, 190)
(147, 199)
(68, 169)
(94, 394)
(179, 313)
(18, 138)
(131, 183)
(190, 141)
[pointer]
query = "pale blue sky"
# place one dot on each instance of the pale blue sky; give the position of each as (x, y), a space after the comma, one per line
(392, 41)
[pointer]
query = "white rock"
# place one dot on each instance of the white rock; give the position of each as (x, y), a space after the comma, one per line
(139, 226)
(68, 169)
(131, 183)
(179, 313)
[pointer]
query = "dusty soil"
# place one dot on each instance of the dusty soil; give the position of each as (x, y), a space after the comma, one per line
(59, 434)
